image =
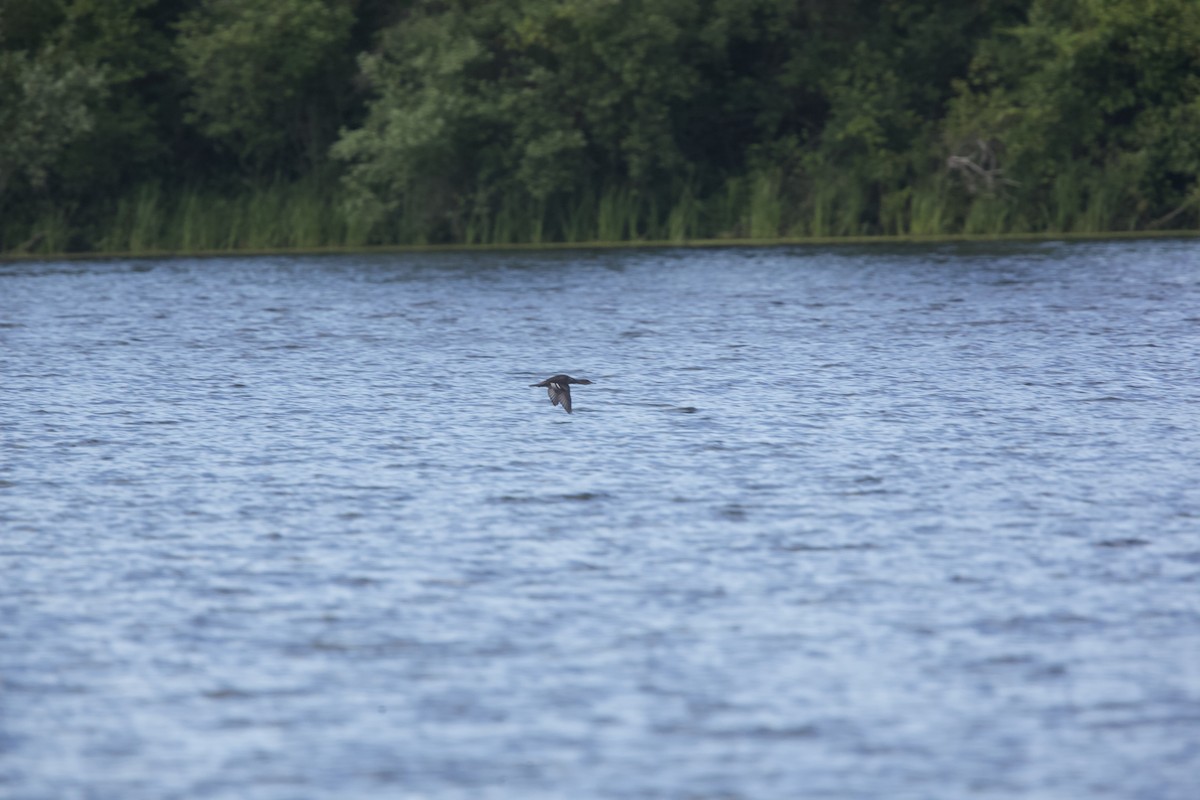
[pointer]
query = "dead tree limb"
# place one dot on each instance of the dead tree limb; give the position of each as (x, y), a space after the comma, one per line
(1191, 201)
(981, 169)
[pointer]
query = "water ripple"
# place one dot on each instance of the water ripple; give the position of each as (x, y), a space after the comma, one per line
(842, 523)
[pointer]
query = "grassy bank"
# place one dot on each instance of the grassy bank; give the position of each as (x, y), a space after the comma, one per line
(878, 240)
(312, 215)
(151, 218)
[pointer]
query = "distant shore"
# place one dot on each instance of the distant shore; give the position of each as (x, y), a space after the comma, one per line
(195, 128)
(815, 241)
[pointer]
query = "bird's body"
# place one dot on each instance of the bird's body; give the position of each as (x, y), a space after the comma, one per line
(559, 389)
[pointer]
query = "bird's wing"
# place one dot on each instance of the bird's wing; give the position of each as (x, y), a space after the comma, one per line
(560, 393)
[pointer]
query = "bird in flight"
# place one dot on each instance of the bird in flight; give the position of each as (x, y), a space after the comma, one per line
(559, 389)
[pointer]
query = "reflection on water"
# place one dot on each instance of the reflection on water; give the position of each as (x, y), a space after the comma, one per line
(864, 522)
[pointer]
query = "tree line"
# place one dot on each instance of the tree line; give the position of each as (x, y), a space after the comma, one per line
(213, 124)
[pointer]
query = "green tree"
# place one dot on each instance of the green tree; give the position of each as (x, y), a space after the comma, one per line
(47, 103)
(545, 99)
(135, 129)
(266, 76)
(533, 97)
(26, 24)
(1090, 110)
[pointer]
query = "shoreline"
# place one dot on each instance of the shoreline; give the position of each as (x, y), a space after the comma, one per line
(698, 244)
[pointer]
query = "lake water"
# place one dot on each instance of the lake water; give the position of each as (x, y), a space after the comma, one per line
(857, 522)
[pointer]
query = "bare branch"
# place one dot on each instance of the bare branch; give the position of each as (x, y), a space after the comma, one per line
(980, 169)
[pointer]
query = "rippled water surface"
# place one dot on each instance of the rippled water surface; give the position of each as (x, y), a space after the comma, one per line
(830, 523)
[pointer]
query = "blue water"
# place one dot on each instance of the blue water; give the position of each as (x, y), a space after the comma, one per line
(915, 522)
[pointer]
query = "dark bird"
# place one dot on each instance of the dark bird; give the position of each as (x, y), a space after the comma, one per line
(559, 389)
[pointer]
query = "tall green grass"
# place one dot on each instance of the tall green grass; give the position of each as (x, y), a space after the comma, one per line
(1083, 199)
(836, 205)
(763, 205)
(276, 215)
(683, 220)
(922, 209)
(931, 209)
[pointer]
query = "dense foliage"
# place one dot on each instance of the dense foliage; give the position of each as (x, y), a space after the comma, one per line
(264, 123)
